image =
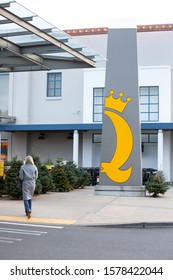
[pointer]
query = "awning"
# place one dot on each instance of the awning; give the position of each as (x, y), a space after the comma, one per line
(49, 127)
(11, 127)
(29, 43)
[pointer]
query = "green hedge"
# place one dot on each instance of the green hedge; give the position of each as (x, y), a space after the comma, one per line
(62, 177)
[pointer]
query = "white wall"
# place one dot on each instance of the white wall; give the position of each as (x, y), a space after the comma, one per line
(30, 104)
(55, 145)
(19, 145)
(96, 152)
(149, 156)
(92, 78)
(98, 43)
(20, 106)
(155, 48)
(159, 76)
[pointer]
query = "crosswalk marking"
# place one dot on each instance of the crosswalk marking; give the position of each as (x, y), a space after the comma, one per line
(31, 225)
(20, 231)
(14, 239)
(9, 240)
(15, 228)
(6, 241)
(24, 230)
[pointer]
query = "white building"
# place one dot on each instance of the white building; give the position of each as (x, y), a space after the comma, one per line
(58, 113)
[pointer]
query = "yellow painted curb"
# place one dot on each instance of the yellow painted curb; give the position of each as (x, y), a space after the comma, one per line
(37, 220)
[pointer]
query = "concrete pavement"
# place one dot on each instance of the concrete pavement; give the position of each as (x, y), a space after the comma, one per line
(82, 207)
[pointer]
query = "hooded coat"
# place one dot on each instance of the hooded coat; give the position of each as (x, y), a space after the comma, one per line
(28, 174)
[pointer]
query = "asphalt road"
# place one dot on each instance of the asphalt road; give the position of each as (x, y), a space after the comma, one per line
(40, 242)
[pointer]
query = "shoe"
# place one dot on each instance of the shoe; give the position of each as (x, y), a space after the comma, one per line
(28, 214)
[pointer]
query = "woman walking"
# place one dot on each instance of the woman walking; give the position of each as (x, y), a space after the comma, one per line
(28, 174)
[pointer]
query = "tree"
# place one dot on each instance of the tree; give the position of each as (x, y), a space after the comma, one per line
(156, 184)
(46, 179)
(11, 178)
(44, 182)
(84, 178)
(59, 177)
(71, 171)
(2, 185)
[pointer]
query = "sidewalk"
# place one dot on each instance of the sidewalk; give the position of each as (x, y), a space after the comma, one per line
(82, 207)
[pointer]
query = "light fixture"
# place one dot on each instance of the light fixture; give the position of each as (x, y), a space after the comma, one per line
(70, 135)
(41, 136)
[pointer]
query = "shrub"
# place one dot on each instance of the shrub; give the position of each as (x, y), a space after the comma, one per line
(84, 178)
(38, 187)
(77, 177)
(11, 178)
(59, 177)
(62, 177)
(44, 182)
(156, 184)
(2, 185)
(71, 171)
(46, 179)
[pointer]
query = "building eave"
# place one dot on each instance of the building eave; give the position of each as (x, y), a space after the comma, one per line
(104, 30)
(67, 127)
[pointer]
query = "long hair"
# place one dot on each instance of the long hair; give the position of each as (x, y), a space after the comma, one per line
(29, 159)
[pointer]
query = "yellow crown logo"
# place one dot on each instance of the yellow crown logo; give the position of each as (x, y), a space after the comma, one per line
(116, 103)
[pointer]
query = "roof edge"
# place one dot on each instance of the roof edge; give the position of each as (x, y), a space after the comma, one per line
(49, 127)
(81, 126)
(104, 30)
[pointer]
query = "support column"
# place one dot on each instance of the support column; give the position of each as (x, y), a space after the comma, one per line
(87, 149)
(76, 146)
(160, 150)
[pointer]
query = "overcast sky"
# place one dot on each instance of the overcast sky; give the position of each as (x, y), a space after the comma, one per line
(69, 14)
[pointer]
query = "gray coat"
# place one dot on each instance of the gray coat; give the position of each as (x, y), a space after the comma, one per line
(28, 174)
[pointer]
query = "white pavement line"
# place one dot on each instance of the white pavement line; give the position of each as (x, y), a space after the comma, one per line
(18, 232)
(12, 239)
(4, 241)
(31, 225)
(24, 230)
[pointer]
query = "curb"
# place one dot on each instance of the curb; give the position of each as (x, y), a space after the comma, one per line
(136, 225)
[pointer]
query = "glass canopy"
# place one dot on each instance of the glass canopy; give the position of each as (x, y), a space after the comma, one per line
(28, 43)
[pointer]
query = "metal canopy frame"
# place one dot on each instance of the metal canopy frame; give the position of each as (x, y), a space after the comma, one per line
(29, 43)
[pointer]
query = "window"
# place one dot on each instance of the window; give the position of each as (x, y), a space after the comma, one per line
(149, 138)
(149, 104)
(97, 138)
(98, 103)
(54, 81)
(4, 83)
